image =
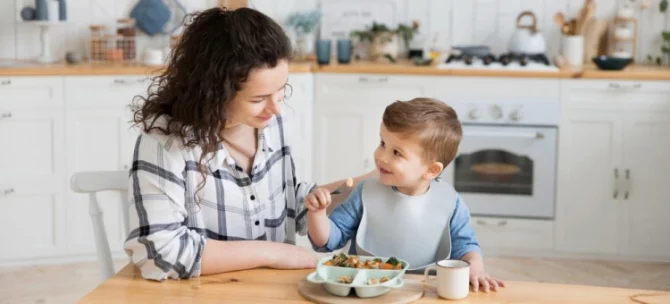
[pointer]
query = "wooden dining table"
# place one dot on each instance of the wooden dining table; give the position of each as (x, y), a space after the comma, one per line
(280, 286)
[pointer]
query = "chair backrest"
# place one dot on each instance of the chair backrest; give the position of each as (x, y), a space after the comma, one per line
(92, 183)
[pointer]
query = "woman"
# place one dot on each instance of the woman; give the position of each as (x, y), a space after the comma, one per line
(213, 186)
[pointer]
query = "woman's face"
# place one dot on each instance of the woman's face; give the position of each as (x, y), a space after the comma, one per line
(260, 97)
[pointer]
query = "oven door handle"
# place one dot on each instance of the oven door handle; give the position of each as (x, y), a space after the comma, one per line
(521, 135)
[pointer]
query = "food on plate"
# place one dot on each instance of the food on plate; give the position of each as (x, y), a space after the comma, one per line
(373, 281)
(345, 279)
(342, 260)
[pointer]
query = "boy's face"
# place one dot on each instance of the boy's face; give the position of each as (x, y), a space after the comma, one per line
(400, 161)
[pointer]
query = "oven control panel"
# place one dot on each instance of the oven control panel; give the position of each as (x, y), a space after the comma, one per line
(507, 112)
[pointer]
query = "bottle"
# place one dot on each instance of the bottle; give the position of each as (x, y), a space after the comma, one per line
(434, 51)
(62, 10)
(41, 10)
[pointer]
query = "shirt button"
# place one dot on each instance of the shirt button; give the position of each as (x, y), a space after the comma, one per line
(252, 197)
(257, 223)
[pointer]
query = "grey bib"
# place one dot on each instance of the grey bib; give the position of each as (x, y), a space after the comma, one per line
(413, 228)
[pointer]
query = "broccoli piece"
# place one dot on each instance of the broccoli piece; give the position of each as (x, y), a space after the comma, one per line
(393, 261)
(377, 260)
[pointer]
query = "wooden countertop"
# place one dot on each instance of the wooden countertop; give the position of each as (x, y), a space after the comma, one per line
(633, 72)
(86, 68)
(280, 286)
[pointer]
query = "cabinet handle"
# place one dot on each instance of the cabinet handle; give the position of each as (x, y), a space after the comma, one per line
(614, 85)
(626, 194)
(125, 81)
(370, 79)
(8, 191)
(499, 224)
(5, 82)
(6, 115)
(616, 183)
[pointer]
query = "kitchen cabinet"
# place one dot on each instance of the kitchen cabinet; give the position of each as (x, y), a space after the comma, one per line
(348, 115)
(101, 140)
(612, 198)
(298, 110)
(23, 92)
(646, 189)
(509, 235)
(587, 210)
(32, 168)
(101, 137)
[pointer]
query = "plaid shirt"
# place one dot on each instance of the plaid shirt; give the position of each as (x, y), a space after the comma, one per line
(169, 229)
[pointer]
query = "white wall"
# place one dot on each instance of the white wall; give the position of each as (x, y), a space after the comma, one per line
(458, 22)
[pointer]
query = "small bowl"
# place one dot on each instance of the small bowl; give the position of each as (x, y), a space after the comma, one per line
(327, 276)
(612, 63)
(422, 61)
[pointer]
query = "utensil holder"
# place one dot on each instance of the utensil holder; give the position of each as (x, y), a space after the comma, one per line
(573, 50)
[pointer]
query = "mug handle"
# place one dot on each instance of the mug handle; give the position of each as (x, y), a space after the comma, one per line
(427, 279)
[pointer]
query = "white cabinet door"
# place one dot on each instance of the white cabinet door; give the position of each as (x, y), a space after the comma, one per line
(587, 208)
(32, 218)
(28, 92)
(95, 92)
(32, 183)
(646, 198)
(347, 118)
(99, 140)
(298, 111)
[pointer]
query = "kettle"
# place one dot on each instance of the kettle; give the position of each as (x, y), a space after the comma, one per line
(527, 39)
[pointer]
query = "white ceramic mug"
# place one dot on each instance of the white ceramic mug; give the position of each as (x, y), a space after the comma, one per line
(453, 279)
(573, 50)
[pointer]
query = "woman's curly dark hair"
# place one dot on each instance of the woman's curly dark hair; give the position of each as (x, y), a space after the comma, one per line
(218, 49)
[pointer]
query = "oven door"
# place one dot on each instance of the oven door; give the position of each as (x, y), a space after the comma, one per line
(507, 171)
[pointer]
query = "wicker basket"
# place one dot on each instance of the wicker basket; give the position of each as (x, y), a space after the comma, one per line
(117, 46)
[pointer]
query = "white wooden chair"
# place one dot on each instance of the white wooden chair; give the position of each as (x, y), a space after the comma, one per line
(92, 183)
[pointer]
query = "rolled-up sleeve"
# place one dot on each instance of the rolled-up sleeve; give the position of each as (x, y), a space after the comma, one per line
(159, 242)
(301, 192)
(463, 238)
(344, 221)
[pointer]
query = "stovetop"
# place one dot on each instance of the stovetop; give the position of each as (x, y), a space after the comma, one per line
(507, 61)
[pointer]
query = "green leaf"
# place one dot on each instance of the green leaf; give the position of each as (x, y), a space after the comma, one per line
(666, 36)
(665, 49)
(650, 58)
(663, 6)
(659, 60)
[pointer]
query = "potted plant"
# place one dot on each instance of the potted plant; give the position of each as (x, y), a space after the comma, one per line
(303, 25)
(665, 38)
(384, 42)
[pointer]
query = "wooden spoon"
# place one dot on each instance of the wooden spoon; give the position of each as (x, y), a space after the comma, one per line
(560, 19)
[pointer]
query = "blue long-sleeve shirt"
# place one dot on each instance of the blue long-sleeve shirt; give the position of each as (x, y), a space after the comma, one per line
(344, 221)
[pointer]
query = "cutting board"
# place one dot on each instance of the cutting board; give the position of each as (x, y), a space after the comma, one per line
(411, 291)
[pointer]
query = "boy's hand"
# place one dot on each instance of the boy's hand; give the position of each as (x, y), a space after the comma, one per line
(318, 199)
(479, 278)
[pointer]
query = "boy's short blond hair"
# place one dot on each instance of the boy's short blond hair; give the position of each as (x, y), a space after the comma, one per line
(432, 123)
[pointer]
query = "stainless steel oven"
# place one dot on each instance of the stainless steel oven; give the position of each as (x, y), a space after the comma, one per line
(506, 162)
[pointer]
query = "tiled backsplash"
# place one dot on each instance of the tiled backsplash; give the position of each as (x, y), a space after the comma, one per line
(457, 22)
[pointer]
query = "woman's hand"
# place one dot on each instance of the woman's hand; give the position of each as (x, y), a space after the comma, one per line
(317, 200)
(289, 256)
